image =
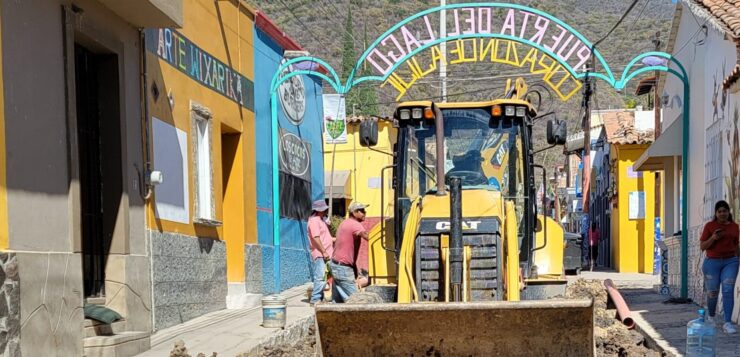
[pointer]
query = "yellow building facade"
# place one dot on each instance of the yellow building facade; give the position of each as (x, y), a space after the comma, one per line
(73, 174)
(633, 213)
(357, 171)
(633, 193)
(200, 98)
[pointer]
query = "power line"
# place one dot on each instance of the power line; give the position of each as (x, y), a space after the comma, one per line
(617, 24)
(342, 26)
(586, 123)
(317, 38)
(691, 38)
(632, 25)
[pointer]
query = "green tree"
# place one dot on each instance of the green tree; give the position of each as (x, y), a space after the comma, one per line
(348, 47)
(361, 100)
(630, 103)
(367, 95)
(349, 58)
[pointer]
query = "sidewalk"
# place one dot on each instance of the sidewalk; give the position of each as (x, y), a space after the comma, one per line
(663, 325)
(233, 332)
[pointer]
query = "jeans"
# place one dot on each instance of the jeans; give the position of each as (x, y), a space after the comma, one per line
(722, 272)
(344, 282)
(318, 265)
(594, 253)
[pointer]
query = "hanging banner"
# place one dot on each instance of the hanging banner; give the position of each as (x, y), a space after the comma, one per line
(335, 119)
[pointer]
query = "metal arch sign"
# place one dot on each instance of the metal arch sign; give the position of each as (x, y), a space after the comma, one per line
(509, 25)
(479, 20)
(474, 22)
(562, 82)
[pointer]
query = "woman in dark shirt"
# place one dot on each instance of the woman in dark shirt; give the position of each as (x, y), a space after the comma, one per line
(720, 241)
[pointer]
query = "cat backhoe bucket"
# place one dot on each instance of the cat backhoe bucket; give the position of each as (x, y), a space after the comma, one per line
(525, 328)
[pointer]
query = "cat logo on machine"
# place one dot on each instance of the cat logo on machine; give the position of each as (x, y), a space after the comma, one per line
(498, 158)
(477, 225)
(466, 225)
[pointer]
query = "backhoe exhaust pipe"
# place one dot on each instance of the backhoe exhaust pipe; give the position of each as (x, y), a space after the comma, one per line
(456, 239)
(439, 141)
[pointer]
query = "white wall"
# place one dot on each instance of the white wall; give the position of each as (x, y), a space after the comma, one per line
(705, 58)
(708, 59)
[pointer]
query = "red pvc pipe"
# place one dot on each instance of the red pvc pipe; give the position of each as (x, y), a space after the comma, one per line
(623, 311)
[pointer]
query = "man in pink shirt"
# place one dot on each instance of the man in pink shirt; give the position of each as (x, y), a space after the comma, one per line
(321, 244)
(349, 235)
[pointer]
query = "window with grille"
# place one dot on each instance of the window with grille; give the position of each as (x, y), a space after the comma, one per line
(713, 185)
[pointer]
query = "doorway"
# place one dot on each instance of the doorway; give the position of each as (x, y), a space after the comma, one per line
(233, 204)
(100, 163)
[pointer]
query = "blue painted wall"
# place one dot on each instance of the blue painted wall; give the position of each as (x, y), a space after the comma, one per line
(295, 259)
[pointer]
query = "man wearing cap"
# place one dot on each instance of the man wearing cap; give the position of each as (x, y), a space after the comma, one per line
(321, 244)
(349, 235)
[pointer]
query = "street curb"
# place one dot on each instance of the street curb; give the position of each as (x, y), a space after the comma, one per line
(291, 334)
(652, 343)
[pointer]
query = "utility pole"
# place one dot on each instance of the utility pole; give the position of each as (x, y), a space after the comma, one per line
(443, 49)
(588, 91)
(656, 96)
(658, 128)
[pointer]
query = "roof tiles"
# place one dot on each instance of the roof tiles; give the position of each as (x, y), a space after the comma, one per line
(620, 129)
(727, 12)
(726, 15)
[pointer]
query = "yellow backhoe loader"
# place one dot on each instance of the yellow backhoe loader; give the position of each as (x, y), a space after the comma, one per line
(466, 264)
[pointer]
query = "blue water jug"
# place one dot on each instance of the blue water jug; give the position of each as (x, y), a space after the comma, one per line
(700, 337)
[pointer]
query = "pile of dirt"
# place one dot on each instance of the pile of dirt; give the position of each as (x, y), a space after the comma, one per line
(303, 347)
(181, 351)
(611, 336)
(364, 297)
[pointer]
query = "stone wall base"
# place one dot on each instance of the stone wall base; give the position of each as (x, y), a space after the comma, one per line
(189, 277)
(295, 268)
(10, 308)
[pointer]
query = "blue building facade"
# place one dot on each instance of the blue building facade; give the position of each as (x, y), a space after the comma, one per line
(300, 115)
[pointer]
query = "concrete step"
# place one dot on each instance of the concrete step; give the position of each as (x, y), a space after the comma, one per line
(127, 343)
(97, 328)
(95, 300)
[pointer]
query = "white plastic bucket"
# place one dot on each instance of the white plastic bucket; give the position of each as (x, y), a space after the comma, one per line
(274, 311)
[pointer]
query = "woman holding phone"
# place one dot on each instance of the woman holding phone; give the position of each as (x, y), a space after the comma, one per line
(720, 241)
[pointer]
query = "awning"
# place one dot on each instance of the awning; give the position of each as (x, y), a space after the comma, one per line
(666, 146)
(645, 86)
(341, 184)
